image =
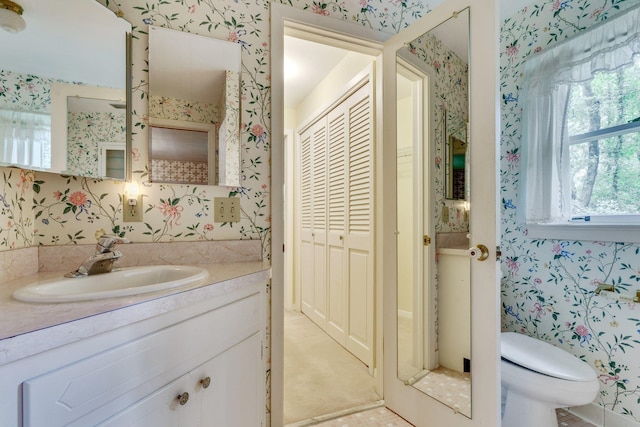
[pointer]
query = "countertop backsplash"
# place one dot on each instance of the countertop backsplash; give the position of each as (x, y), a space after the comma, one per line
(63, 258)
(18, 263)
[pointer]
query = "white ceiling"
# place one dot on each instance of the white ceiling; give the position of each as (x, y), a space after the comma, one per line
(305, 65)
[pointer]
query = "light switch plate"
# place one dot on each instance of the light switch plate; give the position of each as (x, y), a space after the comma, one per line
(226, 209)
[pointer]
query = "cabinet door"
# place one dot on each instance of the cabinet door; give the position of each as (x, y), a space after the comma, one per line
(159, 409)
(111, 160)
(235, 394)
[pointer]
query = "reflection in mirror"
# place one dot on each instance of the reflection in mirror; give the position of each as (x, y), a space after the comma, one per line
(455, 157)
(50, 52)
(186, 162)
(96, 135)
(194, 90)
(434, 331)
(91, 122)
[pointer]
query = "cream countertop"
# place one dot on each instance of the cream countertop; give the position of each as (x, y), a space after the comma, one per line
(30, 328)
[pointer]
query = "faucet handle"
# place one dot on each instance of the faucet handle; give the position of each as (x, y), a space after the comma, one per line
(106, 243)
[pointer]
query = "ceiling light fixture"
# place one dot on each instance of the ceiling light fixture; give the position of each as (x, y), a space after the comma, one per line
(11, 17)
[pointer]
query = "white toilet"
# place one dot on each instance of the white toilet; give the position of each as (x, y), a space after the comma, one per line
(537, 378)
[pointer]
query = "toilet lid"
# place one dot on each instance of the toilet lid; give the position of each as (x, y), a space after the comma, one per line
(542, 357)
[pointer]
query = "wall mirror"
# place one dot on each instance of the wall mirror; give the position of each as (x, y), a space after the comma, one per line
(194, 109)
(434, 331)
(86, 49)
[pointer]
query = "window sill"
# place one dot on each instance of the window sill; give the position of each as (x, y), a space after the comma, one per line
(586, 232)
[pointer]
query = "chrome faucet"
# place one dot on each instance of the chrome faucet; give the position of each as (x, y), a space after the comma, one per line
(103, 258)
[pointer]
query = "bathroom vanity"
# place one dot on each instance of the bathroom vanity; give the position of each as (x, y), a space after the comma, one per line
(193, 356)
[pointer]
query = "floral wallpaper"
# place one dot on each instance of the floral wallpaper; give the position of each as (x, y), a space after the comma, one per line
(179, 109)
(229, 141)
(548, 286)
(85, 132)
(16, 216)
(25, 92)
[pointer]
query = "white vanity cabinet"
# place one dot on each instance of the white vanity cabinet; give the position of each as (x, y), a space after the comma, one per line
(200, 365)
(226, 391)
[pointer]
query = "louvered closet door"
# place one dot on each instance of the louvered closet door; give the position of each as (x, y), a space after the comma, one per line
(337, 319)
(306, 222)
(336, 215)
(359, 226)
(314, 269)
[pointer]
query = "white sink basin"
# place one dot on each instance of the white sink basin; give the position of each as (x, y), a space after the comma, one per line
(118, 283)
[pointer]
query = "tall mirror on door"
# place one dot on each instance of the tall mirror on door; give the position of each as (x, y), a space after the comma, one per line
(64, 90)
(434, 331)
(194, 109)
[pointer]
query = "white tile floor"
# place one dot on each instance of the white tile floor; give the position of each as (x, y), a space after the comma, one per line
(383, 417)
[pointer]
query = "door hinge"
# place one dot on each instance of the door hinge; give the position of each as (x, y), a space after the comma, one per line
(426, 240)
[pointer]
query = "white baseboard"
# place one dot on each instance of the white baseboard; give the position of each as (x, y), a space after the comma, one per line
(602, 417)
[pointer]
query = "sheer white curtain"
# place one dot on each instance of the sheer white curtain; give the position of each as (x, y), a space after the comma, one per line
(547, 78)
(25, 139)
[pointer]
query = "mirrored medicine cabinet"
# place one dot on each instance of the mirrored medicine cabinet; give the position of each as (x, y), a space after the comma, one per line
(65, 106)
(194, 109)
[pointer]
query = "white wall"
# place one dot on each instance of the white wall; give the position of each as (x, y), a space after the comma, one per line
(325, 93)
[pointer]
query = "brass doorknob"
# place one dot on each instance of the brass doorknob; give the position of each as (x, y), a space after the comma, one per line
(479, 252)
(205, 382)
(183, 398)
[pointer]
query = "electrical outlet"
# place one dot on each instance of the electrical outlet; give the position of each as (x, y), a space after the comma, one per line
(226, 209)
(445, 213)
(131, 212)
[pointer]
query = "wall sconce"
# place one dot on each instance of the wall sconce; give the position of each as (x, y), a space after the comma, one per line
(11, 19)
(131, 203)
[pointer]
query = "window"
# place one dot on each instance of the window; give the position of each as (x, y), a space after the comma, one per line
(581, 123)
(603, 122)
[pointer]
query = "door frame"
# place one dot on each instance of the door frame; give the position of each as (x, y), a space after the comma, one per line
(424, 281)
(412, 404)
(287, 18)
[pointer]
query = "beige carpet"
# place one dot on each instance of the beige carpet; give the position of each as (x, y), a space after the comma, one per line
(320, 376)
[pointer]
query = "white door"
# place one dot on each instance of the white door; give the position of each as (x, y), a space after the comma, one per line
(313, 210)
(414, 405)
(360, 224)
(336, 235)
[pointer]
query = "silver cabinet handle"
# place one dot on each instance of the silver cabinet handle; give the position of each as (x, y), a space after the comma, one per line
(205, 382)
(183, 398)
